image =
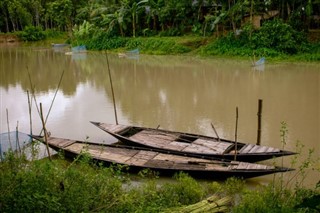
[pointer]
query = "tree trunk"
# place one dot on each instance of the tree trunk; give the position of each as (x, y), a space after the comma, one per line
(121, 30)
(133, 25)
(13, 25)
(7, 23)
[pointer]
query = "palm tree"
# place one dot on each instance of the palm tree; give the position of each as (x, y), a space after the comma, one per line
(134, 9)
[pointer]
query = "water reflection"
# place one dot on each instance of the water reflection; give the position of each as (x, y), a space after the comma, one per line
(175, 92)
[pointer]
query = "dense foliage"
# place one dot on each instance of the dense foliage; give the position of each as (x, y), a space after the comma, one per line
(31, 33)
(81, 186)
(152, 17)
(228, 27)
(274, 38)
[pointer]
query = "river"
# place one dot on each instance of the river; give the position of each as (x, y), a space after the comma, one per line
(183, 93)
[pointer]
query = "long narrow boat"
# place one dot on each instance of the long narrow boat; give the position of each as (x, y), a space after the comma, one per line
(139, 158)
(191, 144)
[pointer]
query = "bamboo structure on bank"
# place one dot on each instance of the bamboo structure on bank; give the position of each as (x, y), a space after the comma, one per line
(211, 204)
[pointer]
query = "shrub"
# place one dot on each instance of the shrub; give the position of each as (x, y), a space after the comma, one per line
(31, 33)
(278, 36)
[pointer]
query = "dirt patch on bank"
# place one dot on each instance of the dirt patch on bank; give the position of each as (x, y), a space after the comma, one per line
(314, 35)
(9, 38)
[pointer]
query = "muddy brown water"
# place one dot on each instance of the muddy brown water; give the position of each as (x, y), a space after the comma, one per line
(176, 92)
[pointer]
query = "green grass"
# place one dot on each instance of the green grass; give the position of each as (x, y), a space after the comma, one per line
(81, 185)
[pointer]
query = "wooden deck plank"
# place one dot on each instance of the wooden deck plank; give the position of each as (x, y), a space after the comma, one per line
(215, 146)
(159, 164)
(165, 141)
(182, 166)
(178, 145)
(242, 165)
(147, 138)
(246, 148)
(113, 127)
(76, 147)
(254, 149)
(65, 143)
(161, 135)
(262, 149)
(55, 141)
(194, 148)
(271, 149)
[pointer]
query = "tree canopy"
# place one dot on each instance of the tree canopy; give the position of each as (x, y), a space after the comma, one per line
(153, 17)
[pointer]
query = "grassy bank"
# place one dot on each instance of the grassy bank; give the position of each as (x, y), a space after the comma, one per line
(274, 40)
(284, 43)
(199, 46)
(81, 185)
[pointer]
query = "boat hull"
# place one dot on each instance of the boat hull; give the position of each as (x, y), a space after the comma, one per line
(137, 158)
(197, 146)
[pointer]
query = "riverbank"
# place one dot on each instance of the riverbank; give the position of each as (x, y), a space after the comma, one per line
(200, 46)
(82, 186)
(189, 45)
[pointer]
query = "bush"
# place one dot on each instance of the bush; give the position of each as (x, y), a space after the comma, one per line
(273, 39)
(31, 33)
(279, 36)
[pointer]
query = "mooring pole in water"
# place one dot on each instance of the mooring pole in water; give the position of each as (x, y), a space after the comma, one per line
(259, 121)
(114, 102)
(236, 134)
(45, 131)
(17, 138)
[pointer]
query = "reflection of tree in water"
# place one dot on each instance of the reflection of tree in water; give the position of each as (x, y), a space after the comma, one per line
(45, 68)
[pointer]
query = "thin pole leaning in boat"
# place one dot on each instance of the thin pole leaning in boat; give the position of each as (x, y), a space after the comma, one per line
(110, 78)
(215, 131)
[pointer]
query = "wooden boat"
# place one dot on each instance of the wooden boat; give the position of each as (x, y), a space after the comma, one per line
(190, 144)
(139, 158)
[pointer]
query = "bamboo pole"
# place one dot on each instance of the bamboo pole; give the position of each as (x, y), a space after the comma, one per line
(215, 131)
(17, 137)
(30, 115)
(236, 135)
(8, 128)
(259, 121)
(54, 97)
(113, 98)
(33, 92)
(45, 132)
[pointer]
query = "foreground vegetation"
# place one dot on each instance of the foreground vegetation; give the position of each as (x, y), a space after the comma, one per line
(84, 186)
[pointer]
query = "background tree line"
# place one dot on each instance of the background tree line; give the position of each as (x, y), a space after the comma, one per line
(151, 17)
